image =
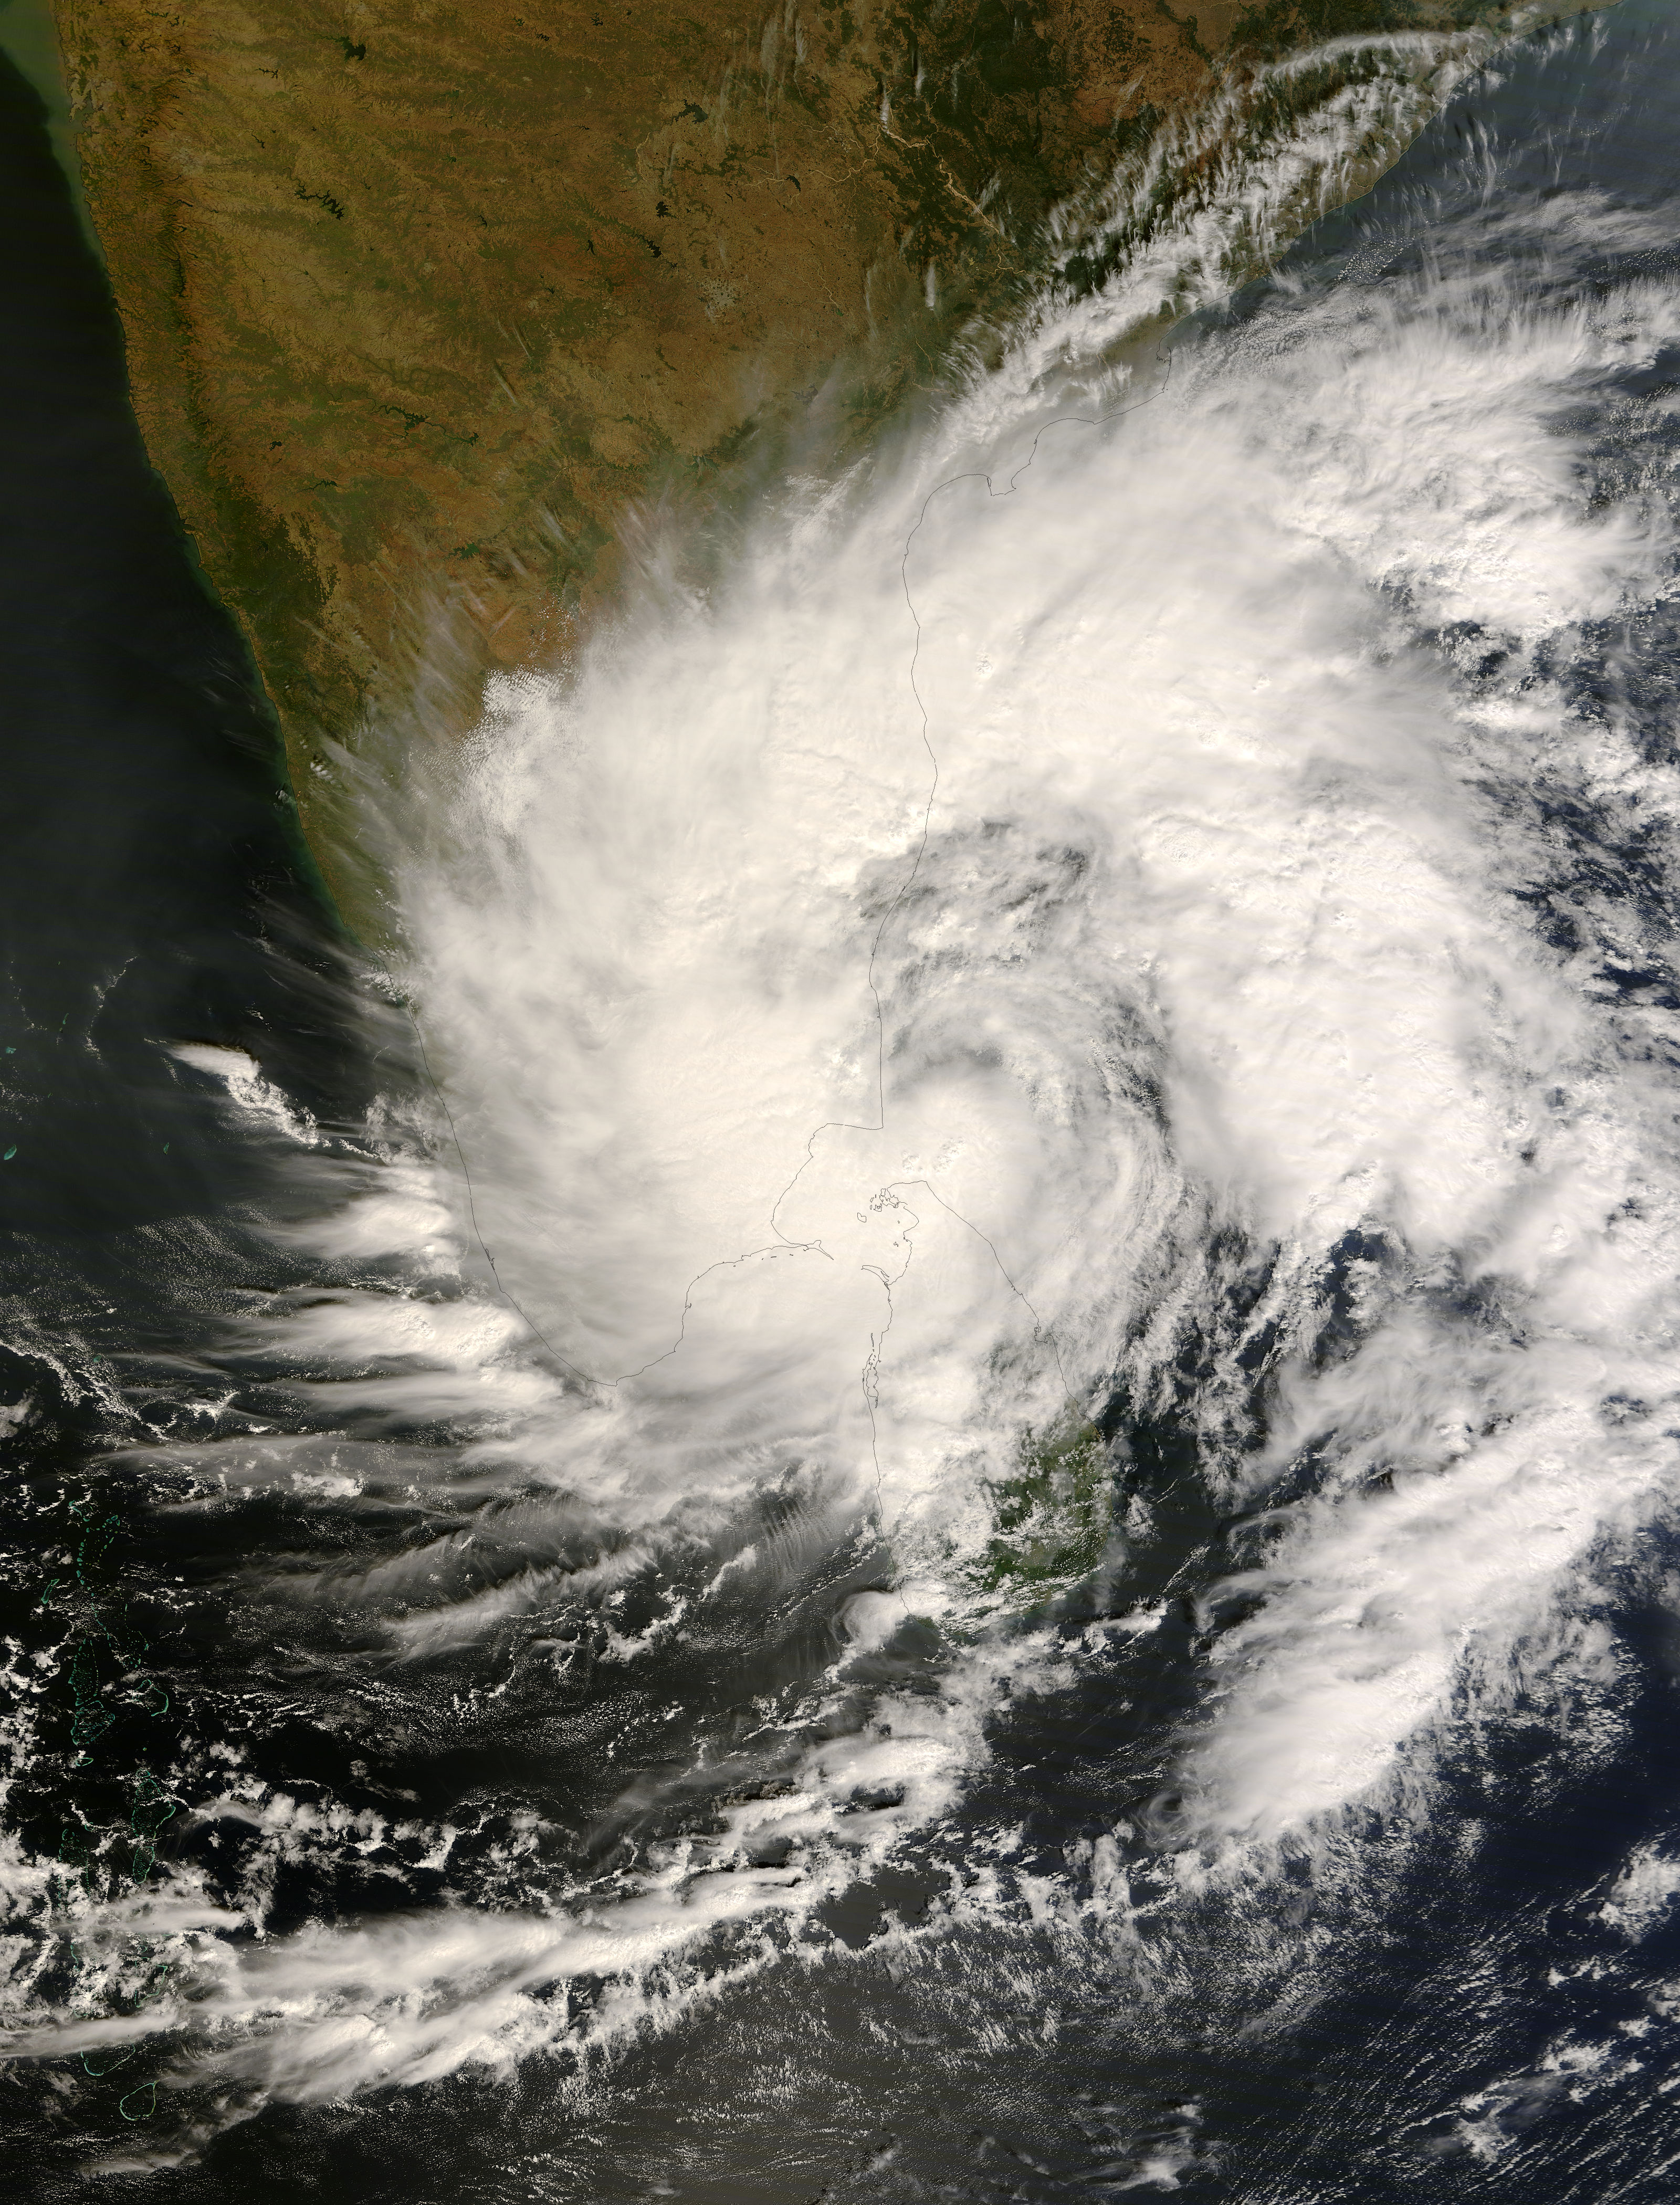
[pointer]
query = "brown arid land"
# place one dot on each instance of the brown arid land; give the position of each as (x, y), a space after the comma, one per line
(421, 298)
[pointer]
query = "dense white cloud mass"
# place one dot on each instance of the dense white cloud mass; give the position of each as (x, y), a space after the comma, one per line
(885, 998)
(1191, 908)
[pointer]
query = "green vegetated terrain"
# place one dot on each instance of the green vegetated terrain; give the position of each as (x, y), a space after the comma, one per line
(1052, 1522)
(421, 298)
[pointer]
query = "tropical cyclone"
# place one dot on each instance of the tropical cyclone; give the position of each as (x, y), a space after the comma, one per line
(421, 300)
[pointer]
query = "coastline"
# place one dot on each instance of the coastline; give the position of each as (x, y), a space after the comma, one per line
(411, 352)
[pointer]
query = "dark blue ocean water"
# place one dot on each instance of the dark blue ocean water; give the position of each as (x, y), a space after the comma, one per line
(1449, 2015)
